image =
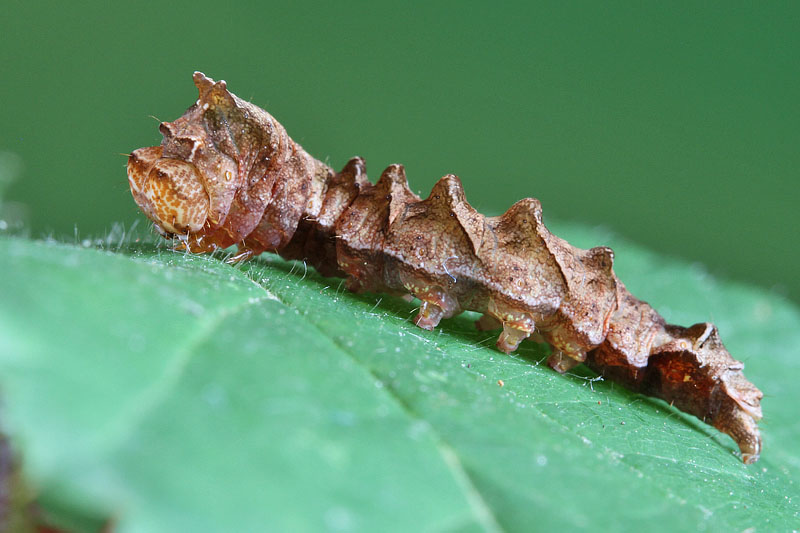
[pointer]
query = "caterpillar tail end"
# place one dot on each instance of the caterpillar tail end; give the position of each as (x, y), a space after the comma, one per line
(742, 427)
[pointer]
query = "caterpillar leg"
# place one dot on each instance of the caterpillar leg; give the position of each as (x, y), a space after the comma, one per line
(562, 362)
(195, 244)
(489, 323)
(511, 337)
(429, 315)
(436, 305)
(517, 325)
(243, 254)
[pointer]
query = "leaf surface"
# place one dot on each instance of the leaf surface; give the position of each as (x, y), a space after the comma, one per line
(174, 392)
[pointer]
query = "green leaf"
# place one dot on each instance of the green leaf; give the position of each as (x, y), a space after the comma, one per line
(171, 392)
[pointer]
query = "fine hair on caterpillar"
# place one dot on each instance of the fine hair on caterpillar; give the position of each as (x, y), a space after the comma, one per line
(227, 173)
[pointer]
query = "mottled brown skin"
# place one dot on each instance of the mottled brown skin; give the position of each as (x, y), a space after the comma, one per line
(227, 173)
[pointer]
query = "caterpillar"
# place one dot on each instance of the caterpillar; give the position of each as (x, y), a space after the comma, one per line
(227, 173)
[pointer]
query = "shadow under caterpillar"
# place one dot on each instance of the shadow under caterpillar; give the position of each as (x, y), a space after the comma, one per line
(227, 173)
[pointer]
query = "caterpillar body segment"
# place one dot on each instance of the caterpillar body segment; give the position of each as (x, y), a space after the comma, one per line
(227, 173)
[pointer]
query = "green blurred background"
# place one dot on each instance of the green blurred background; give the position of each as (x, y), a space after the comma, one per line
(673, 124)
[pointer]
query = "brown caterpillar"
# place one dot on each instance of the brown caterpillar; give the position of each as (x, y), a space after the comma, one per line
(227, 173)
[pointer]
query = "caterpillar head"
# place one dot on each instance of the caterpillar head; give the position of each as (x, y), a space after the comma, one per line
(169, 191)
(188, 184)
